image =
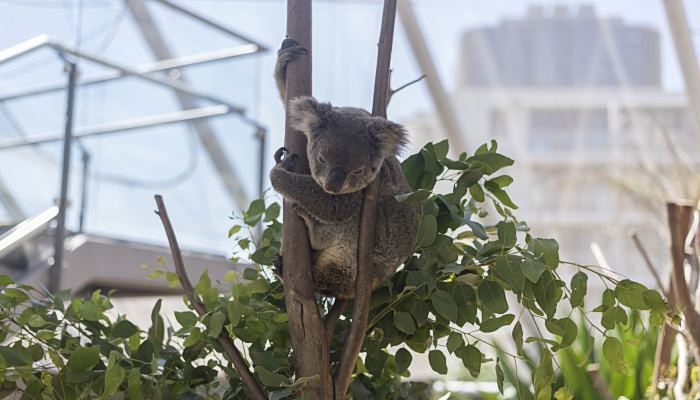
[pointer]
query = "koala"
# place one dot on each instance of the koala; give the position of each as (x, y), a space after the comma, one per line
(347, 149)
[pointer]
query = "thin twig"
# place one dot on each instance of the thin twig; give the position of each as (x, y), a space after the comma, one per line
(363, 281)
(392, 92)
(224, 339)
(648, 263)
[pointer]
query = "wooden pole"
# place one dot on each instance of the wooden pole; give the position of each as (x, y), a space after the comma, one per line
(363, 284)
(306, 328)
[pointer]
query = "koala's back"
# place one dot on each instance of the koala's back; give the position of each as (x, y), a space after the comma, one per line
(334, 245)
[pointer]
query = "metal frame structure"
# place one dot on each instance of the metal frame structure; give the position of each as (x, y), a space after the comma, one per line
(188, 98)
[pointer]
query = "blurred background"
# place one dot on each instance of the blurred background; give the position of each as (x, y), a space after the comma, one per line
(177, 98)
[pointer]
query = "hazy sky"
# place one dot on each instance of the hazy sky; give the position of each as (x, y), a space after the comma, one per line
(345, 35)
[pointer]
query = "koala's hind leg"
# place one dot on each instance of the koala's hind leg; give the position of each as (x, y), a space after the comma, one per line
(289, 51)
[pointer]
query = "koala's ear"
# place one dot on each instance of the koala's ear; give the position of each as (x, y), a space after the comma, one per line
(307, 114)
(389, 136)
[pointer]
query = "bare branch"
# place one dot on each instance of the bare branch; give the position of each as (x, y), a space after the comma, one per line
(679, 219)
(392, 92)
(224, 339)
(648, 263)
(368, 219)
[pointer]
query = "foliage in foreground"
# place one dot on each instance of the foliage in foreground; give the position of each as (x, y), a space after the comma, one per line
(476, 270)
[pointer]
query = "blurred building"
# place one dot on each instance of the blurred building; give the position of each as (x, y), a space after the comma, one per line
(577, 100)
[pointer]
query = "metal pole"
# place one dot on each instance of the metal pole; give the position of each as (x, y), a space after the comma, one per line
(683, 41)
(84, 189)
(442, 103)
(55, 272)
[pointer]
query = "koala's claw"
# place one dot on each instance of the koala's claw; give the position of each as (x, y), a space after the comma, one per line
(281, 154)
(285, 160)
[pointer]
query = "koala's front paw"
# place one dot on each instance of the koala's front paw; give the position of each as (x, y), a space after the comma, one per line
(284, 160)
(289, 51)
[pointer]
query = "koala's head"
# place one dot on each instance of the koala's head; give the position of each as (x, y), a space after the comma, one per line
(346, 146)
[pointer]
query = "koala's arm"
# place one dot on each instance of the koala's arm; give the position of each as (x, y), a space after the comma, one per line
(304, 192)
(289, 51)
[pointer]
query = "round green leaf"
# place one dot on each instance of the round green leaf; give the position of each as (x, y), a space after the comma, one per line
(631, 294)
(427, 231)
(444, 304)
(493, 297)
(403, 359)
(404, 322)
(493, 324)
(124, 329)
(83, 359)
(437, 361)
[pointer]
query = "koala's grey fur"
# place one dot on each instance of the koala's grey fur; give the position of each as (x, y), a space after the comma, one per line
(347, 148)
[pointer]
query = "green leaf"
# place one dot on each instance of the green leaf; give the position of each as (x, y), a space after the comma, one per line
(544, 377)
(444, 304)
(14, 357)
(532, 269)
(492, 161)
(563, 393)
(83, 359)
(272, 212)
(441, 148)
(471, 358)
(565, 328)
(608, 298)
(234, 230)
(631, 294)
(653, 299)
(547, 250)
(114, 376)
(493, 324)
(403, 359)
(493, 297)
(548, 292)
(172, 279)
(612, 350)
(186, 318)
(203, 284)
(404, 322)
(509, 270)
(420, 312)
(517, 335)
(216, 323)
(454, 342)
(613, 316)
(579, 287)
(235, 312)
(418, 195)
(134, 385)
(268, 378)
(437, 361)
(501, 181)
(506, 233)
(469, 178)
(6, 280)
(123, 329)
(193, 337)
(477, 192)
(500, 194)
(427, 231)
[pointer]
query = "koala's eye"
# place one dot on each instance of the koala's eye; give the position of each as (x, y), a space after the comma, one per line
(322, 160)
(358, 171)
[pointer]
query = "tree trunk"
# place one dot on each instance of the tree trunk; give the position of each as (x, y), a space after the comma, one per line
(309, 344)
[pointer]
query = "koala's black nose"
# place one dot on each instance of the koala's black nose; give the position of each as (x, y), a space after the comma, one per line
(335, 180)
